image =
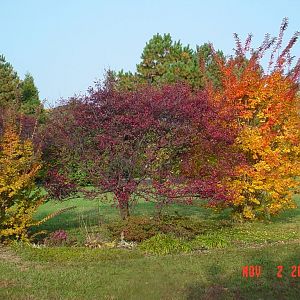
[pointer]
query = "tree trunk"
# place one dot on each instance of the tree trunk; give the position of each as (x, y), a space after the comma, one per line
(124, 210)
(2, 214)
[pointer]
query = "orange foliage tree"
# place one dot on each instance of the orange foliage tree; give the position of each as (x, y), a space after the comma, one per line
(19, 196)
(263, 109)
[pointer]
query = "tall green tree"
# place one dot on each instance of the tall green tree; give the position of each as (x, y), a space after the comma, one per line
(163, 61)
(30, 101)
(166, 61)
(9, 84)
(208, 64)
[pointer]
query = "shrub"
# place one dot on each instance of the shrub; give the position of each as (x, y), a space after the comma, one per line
(162, 244)
(134, 228)
(141, 228)
(209, 241)
(184, 227)
(19, 195)
(56, 238)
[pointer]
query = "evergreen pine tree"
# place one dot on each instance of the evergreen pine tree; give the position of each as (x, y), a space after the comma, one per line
(9, 84)
(30, 101)
(165, 61)
(211, 71)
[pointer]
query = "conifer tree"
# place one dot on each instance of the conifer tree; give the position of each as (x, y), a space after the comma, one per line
(9, 84)
(30, 101)
(208, 64)
(165, 61)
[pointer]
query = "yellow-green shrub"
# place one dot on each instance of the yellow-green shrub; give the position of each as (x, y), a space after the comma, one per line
(19, 195)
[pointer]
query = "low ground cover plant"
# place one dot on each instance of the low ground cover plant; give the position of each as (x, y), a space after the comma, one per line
(176, 234)
(141, 228)
(162, 244)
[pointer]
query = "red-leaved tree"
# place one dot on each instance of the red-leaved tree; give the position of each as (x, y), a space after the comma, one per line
(123, 138)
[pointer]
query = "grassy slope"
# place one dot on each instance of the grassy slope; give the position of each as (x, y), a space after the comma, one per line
(80, 273)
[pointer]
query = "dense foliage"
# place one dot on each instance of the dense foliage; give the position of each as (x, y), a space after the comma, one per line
(123, 138)
(164, 61)
(9, 84)
(263, 109)
(30, 102)
(231, 136)
(19, 195)
(23, 95)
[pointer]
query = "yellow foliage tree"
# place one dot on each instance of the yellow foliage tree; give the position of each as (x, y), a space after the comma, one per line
(19, 195)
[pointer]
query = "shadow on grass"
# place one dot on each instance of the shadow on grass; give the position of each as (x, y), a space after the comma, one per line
(71, 221)
(266, 286)
(93, 212)
(289, 215)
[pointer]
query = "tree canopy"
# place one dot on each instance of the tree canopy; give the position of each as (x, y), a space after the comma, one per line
(30, 101)
(23, 95)
(9, 84)
(164, 61)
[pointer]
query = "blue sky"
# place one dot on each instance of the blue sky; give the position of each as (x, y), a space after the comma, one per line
(67, 44)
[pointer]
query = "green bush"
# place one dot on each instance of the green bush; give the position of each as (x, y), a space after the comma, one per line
(78, 175)
(162, 244)
(209, 241)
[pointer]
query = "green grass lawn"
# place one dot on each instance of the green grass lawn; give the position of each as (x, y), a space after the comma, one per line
(82, 273)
